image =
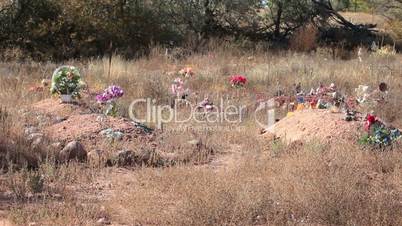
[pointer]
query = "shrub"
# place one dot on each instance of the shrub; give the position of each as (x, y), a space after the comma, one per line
(304, 39)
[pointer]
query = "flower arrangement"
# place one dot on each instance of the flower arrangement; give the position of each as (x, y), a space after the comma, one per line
(205, 105)
(178, 89)
(109, 97)
(381, 136)
(238, 81)
(362, 93)
(378, 134)
(66, 80)
(186, 72)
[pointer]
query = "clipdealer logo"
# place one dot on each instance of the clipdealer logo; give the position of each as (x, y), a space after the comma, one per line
(188, 112)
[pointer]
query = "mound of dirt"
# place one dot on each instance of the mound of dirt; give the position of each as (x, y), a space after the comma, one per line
(53, 107)
(68, 122)
(316, 125)
(86, 126)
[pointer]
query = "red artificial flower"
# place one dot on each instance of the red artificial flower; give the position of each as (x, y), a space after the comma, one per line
(370, 120)
(313, 102)
(238, 80)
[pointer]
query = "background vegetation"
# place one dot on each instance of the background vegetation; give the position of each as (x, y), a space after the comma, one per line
(64, 29)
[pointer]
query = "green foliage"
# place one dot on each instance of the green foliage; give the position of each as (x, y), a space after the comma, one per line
(65, 29)
(389, 8)
(112, 109)
(359, 5)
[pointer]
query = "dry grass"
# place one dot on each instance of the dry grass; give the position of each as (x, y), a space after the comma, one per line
(313, 184)
(235, 177)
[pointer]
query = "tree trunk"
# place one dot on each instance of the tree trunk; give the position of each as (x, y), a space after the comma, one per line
(209, 21)
(277, 32)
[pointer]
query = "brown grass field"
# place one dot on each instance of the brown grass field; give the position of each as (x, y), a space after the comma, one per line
(238, 177)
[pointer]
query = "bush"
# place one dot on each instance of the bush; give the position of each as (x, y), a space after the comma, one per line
(304, 39)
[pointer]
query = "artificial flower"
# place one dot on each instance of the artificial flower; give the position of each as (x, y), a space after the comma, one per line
(238, 81)
(66, 80)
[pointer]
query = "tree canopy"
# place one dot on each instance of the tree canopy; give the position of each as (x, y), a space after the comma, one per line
(62, 29)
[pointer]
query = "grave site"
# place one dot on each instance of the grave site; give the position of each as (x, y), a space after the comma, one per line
(200, 113)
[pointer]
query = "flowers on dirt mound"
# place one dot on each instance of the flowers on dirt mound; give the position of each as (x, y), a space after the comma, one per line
(66, 80)
(238, 81)
(109, 97)
(378, 134)
(111, 93)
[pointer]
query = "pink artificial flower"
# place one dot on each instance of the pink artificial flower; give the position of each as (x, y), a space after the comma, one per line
(178, 87)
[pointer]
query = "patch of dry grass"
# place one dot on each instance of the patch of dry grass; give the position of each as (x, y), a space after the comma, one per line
(53, 195)
(57, 213)
(311, 185)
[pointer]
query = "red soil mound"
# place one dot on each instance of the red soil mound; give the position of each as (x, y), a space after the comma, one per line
(316, 125)
(68, 122)
(86, 126)
(53, 107)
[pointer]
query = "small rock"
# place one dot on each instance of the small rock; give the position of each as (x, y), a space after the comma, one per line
(41, 118)
(143, 156)
(22, 111)
(56, 145)
(269, 136)
(103, 221)
(33, 136)
(37, 141)
(194, 142)
(30, 130)
(122, 158)
(102, 209)
(57, 196)
(59, 119)
(111, 134)
(95, 157)
(105, 132)
(73, 150)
